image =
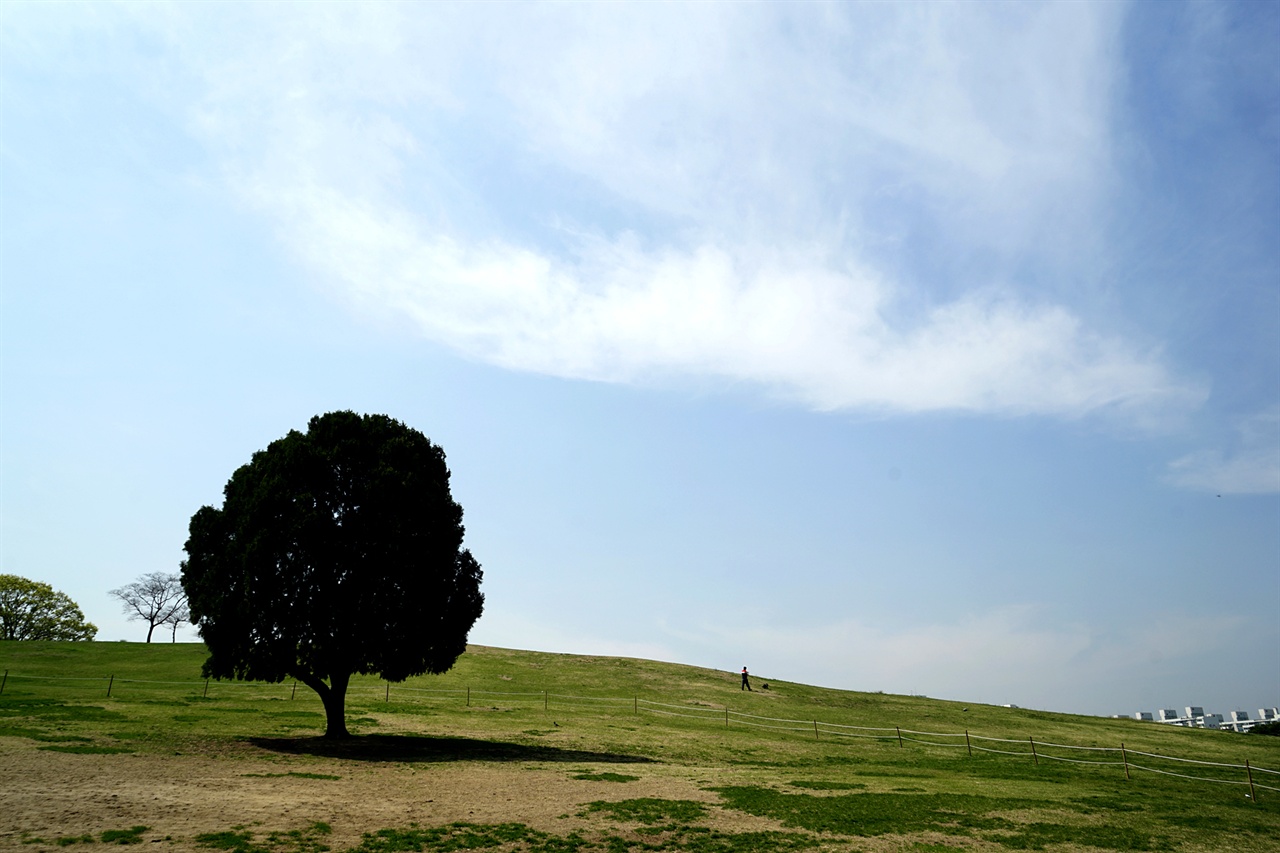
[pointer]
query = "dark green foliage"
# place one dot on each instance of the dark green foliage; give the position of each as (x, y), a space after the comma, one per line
(518, 838)
(239, 840)
(650, 810)
(698, 840)
(292, 773)
(954, 814)
(1272, 728)
(469, 836)
(38, 735)
(336, 552)
(68, 840)
(31, 610)
(86, 749)
(236, 842)
(1035, 836)
(871, 814)
(829, 786)
(133, 835)
(606, 777)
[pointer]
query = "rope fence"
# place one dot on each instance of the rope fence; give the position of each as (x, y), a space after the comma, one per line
(706, 712)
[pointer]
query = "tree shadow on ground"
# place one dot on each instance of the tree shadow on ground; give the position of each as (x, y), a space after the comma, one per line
(419, 748)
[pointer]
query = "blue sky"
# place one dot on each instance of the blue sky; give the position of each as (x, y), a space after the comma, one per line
(924, 348)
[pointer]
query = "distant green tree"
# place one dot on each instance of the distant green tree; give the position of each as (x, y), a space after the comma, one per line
(1271, 728)
(336, 551)
(155, 598)
(31, 610)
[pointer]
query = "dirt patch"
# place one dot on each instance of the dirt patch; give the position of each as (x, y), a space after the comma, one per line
(282, 785)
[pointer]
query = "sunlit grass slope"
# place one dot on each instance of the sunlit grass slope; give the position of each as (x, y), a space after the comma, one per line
(777, 753)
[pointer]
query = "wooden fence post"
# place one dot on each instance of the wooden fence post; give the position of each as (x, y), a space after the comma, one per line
(635, 705)
(294, 694)
(726, 716)
(4, 681)
(967, 744)
(109, 683)
(387, 698)
(1125, 756)
(1033, 750)
(206, 689)
(468, 695)
(815, 730)
(1253, 795)
(898, 729)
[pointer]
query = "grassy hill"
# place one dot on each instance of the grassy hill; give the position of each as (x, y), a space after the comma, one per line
(831, 769)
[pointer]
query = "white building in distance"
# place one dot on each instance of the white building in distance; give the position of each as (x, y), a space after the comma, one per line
(1195, 718)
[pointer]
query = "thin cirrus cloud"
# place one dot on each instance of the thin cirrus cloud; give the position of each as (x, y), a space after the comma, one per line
(1251, 465)
(748, 171)
(973, 654)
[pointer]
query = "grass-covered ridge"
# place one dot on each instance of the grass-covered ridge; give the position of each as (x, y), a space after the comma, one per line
(633, 723)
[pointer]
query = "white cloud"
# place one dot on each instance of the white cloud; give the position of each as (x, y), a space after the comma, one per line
(1250, 466)
(1020, 654)
(759, 146)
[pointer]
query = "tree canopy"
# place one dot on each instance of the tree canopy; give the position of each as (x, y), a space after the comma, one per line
(31, 610)
(336, 551)
(157, 599)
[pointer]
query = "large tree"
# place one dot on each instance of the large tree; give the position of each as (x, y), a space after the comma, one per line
(31, 610)
(336, 551)
(156, 598)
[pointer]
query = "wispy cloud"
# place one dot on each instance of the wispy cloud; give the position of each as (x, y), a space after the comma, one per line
(759, 173)
(1251, 465)
(1022, 654)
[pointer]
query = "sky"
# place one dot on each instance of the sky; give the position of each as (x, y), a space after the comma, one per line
(924, 348)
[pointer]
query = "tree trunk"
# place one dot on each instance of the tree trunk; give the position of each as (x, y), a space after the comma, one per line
(334, 697)
(150, 628)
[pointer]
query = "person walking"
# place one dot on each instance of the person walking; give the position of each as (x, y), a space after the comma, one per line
(746, 685)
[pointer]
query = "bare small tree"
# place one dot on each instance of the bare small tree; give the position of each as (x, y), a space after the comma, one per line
(157, 599)
(180, 614)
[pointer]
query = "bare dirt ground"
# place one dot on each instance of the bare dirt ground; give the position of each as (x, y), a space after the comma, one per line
(51, 795)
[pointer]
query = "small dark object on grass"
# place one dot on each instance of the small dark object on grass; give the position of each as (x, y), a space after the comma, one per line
(764, 685)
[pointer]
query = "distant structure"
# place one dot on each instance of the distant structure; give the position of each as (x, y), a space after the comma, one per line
(1196, 718)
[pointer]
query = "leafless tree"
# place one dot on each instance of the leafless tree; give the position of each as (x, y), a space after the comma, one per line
(180, 614)
(156, 598)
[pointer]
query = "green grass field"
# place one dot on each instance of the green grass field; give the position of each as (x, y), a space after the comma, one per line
(779, 755)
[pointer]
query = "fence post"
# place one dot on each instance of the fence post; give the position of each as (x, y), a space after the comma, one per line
(635, 705)
(1033, 750)
(815, 730)
(109, 683)
(468, 695)
(4, 680)
(967, 744)
(726, 716)
(294, 694)
(1253, 795)
(1125, 756)
(387, 698)
(206, 689)
(898, 729)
